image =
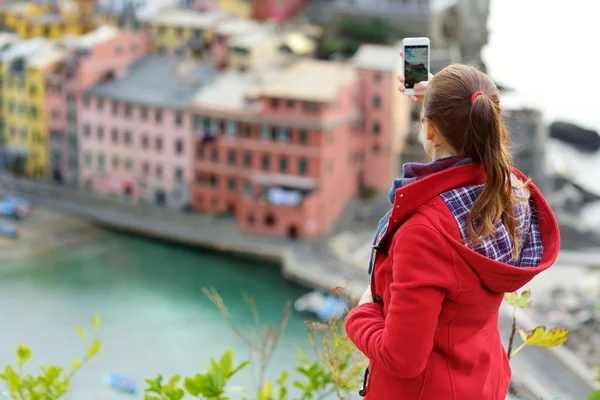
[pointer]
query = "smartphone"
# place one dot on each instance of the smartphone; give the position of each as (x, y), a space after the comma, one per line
(415, 66)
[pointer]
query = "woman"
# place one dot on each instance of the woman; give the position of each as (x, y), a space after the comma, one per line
(463, 230)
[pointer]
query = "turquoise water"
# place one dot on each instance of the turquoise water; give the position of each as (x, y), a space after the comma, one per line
(155, 318)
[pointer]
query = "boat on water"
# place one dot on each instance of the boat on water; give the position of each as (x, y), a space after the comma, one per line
(8, 230)
(325, 306)
(15, 207)
(120, 383)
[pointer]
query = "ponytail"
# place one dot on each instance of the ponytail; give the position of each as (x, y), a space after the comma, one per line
(490, 148)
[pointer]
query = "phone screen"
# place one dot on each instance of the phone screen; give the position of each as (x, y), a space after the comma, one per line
(415, 65)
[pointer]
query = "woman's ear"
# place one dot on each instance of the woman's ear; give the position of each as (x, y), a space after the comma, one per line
(430, 131)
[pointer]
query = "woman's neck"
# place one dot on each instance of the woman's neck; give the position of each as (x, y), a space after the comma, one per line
(439, 153)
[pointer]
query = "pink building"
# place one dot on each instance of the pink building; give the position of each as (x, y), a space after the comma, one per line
(99, 55)
(387, 114)
(278, 10)
(135, 133)
(285, 158)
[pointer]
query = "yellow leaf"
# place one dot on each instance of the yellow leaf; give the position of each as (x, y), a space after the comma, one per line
(23, 354)
(266, 392)
(94, 348)
(96, 321)
(522, 300)
(75, 363)
(81, 332)
(552, 338)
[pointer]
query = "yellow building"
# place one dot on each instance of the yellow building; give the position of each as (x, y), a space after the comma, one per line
(23, 67)
(252, 50)
(239, 8)
(172, 30)
(30, 20)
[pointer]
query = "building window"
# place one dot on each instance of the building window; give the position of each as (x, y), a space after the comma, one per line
(232, 157)
(99, 104)
(127, 110)
(145, 113)
(200, 152)
(101, 160)
(291, 104)
(158, 116)
(247, 159)
(215, 154)
(311, 106)
(269, 220)
(376, 128)
(251, 219)
(377, 76)
(22, 109)
(145, 142)
(128, 164)
(100, 133)
(24, 133)
(179, 32)
(87, 159)
(127, 138)
(114, 133)
(159, 144)
(55, 136)
(55, 115)
(159, 171)
(303, 136)
(87, 130)
(179, 146)
(86, 100)
(11, 107)
(232, 184)
(214, 182)
(178, 118)
(146, 168)
(302, 166)
(264, 132)
(231, 128)
(32, 90)
(274, 103)
(115, 108)
(115, 162)
(377, 102)
(283, 134)
(266, 161)
(248, 130)
(34, 112)
(178, 175)
(376, 148)
(283, 164)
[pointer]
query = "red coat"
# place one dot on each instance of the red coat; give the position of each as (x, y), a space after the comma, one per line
(436, 335)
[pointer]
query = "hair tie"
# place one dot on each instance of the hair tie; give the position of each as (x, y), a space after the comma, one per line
(475, 95)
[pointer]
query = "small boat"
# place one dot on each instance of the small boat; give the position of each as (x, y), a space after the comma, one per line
(121, 383)
(9, 230)
(15, 207)
(325, 306)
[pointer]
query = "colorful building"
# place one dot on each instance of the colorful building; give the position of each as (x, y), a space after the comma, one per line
(253, 50)
(387, 113)
(277, 10)
(282, 150)
(6, 40)
(176, 30)
(135, 132)
(31, 20)
(131, 12)
(226, 31)
(24, 109)
(101, 55)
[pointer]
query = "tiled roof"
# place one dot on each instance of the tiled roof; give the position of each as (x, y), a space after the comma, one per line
(310, 80)
(188, 18)
(377, 57)
(159, 81)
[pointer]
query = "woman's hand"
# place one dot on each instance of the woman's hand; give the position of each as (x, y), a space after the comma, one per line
(419, 87)
(367, 297)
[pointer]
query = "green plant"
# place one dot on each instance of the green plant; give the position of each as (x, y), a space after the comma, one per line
(53, 382)
(213, 384)
(539, 336)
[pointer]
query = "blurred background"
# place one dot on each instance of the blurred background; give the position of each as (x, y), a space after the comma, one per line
(153, 148)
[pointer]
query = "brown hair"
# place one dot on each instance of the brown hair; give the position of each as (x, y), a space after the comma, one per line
(476, 130)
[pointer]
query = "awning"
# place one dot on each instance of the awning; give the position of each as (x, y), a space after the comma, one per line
(297, 182)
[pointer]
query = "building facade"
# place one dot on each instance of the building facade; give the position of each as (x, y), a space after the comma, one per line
(24, 110)
(136, 132)
(174, 31)
(286, 156)
(100, 55)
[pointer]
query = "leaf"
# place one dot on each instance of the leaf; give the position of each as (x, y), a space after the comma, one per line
(191, 386)
(174, 379)
(522, 300)
(522, 334)
(94, 348)
(226, 363)
(96, 321)
(266, 393)
(552, 338)
(23, 354)
(75, 364)
(81, 332)
(238, 368)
